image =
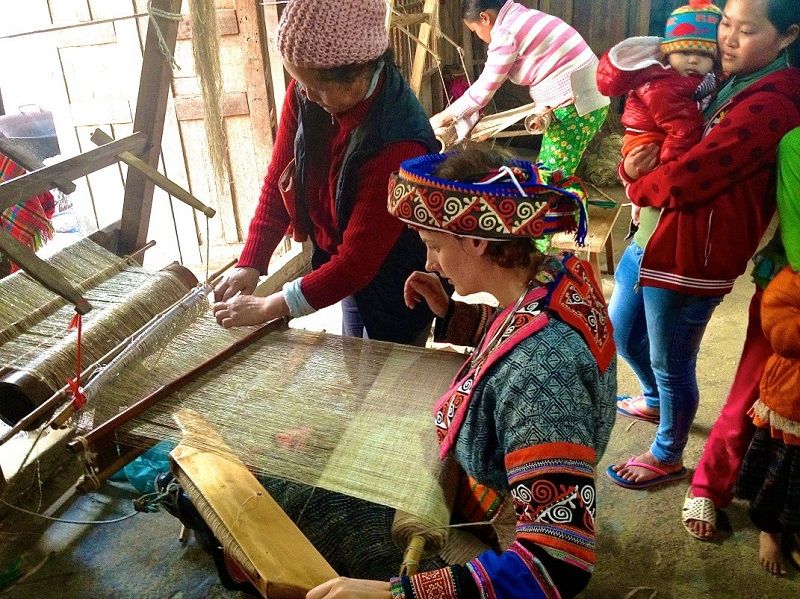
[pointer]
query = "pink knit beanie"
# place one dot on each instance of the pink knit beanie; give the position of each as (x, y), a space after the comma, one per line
(332, 33)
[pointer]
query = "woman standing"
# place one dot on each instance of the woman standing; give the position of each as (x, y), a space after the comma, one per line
(702, 218)
(348, 120)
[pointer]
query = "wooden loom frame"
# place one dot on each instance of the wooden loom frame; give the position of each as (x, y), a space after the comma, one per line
(140, 151)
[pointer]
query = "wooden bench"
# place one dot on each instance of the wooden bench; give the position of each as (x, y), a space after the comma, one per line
(599, 239)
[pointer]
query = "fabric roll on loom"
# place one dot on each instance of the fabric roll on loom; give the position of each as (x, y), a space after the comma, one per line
(38, 353)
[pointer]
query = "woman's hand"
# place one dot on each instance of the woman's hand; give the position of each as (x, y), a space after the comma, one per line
(351, 588)
(441, 120)
(641, 160)
(635, 210)
(241, 280)
(243, 310)
(426, 286)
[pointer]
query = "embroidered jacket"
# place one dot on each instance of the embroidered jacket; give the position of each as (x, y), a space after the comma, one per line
(534, 426)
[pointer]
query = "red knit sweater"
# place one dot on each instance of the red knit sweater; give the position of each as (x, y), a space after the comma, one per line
(371, 231)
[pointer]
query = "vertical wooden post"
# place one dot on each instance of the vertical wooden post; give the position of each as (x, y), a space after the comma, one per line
(277, 75)
(151, 106)
(424, 36)
(247, 12)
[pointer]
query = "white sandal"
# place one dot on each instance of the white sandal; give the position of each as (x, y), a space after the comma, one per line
(701, 509)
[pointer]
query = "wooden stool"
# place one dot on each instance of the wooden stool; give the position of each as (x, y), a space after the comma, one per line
(599, 238)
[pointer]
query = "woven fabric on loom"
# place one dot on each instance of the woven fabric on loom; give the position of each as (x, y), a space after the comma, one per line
(33, 327)
(348, 415)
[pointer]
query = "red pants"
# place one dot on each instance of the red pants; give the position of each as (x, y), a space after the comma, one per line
(731, 434)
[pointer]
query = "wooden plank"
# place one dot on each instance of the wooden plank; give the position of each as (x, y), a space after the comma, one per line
(563, 9)
(247, 172)
(101, 111)
(96, 72)
(106, 185)
(69, 11)
(278, 76)
(638, 18)
(186, 86)
(103, 9)
(421, 54)
(151, 106)
(95, 35)
(191, 108)
(227, 24)
(202, 184)
(33, 183)
(254, 64)
(287, 565)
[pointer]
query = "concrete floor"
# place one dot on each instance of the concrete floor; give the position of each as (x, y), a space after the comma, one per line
(644, 552)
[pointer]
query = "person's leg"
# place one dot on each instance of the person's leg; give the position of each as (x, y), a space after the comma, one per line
(770, 541)
(733, 430)
(626, 309)
(352, 323)
(676, 323)
(567, 136)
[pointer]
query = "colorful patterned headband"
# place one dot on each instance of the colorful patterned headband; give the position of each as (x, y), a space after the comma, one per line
(522, 204)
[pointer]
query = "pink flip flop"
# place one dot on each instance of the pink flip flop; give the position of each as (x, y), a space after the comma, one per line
(626, 407)
(663, 476)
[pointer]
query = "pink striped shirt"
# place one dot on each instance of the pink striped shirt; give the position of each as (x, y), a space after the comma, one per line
(530, 48)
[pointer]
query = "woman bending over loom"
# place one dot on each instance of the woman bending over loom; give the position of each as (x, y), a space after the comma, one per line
(348, 120)
(530, 412)
(527, 417)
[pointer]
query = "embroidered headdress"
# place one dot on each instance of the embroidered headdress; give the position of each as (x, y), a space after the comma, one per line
(518, 200)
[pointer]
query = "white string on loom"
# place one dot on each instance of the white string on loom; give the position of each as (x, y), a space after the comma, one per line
(154, 333)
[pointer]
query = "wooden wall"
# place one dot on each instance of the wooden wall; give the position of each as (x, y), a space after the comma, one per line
(88, 76)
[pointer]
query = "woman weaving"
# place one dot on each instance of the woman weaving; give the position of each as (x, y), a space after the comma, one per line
(530, 413)
(348, 120)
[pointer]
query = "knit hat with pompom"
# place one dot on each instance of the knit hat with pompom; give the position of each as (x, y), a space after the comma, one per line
(692, 28)
(332, 33)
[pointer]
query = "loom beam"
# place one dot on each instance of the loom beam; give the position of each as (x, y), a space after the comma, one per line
(42, 272)
(21, 188)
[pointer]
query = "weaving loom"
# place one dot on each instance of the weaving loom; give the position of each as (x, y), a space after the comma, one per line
(38, 353)
(348, 415)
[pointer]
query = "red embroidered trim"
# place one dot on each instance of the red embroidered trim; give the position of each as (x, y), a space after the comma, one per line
(435, 584)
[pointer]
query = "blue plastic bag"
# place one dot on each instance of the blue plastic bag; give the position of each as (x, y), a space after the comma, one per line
(142, 471)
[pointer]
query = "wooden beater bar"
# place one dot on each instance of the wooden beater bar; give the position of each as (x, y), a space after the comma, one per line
(274, 554)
